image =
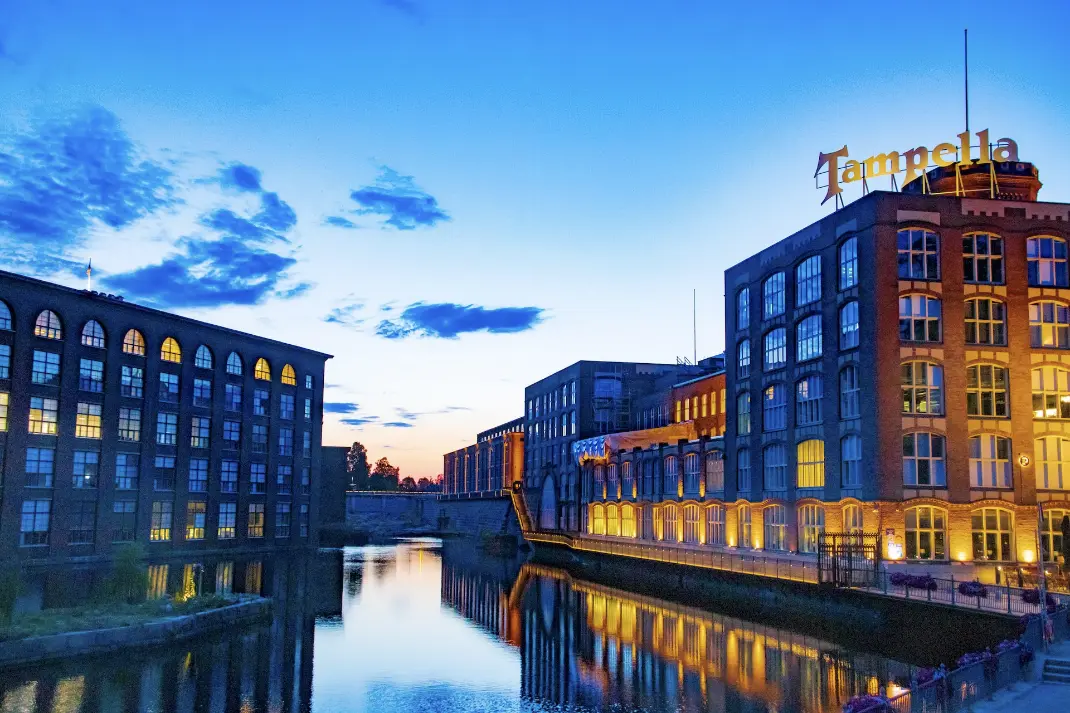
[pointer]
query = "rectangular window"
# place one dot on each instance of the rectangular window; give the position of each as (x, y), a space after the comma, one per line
(743, 414)
(306, 480)
(286, 406)
(850, 403)
(919, 255)
(982, 259)
(40, 464)
(125, 512)
(849, 263)
(286, 441)
(308, 409)
(808, 281)
(168, 388)
(743, 474)
(5, 361)
(198, 475)
(775, 465)
(45, 368)
(126, 471)
(284, 480)
(4, 398)
(302, 521)
(86, 469)
(200, 432)
(166, 428)
(129, 424)
(923, 460)
(83, 520)
(990, 461)
(808, 338)
(33, 530)
(202, 392)
(851, 459)
(232, 397)
(228, 516)
(809, 393)
(260, 402)
(162, 514)
(256, 520)
(282, 519)
(308, 381)
(260, 436)
(773, 296)
(231, 434)
(43, 416)
(91, 375)
(228, 477)
(776, 349)
(257, 477)
(164, 476)
(306, 443)
(774, 408)
(195, 520)
(743, 308)
(87, 421)
(133, 382)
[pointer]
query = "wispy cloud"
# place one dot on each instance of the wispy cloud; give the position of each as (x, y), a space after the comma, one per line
(360, 420)
(338, 221)
(240, 177)
(347, 315)
(449, 320)
(397, 424)
(340, 407)
(397, 200)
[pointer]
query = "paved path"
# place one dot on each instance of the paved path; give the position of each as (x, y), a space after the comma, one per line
(1032, 696)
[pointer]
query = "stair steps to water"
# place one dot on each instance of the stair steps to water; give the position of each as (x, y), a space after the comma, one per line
(1057, 671)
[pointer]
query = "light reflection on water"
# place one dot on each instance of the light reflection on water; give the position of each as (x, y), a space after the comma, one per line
(420, 629)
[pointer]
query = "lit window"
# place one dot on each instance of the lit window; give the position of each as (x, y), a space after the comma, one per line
(776, 527)
(1051, 392)
(774, 408)
(986, 390)
(742, 308)
(202, 359)
(166, 429)
(850, 401)
(200, 429)
(262, 371)
(87, 421)
(692, 523)
(991, 534)
(5, 316)
(162, 513)
(743, 359)
(93, 335)
(808, 281)
(43, 415)
(1049, 325)
(986, 322)
(48, 326)
(129, 424)
(775, 467)
(195, 520)
(982, 258)
(810, 456)
(808, 338)
(848, 263)
(4, 400)
(852, 518)
(811, 525)
(743, 525)
(923, 388)
(308, 382)
(5, 361)
(851, 461)
(714, 472)
(33, 529)
(91, 375)
(234, 364)
(990, 464)
(1047, 262)
(926, 536)
(1053, 462)
(923, 460)
(132, 383)
(743, 414)
(849, 325)
(289, 377)
(228, 516)
(134, 343)
(919, 255)
(919, 318)
(170, 351)
(45, 370)
(715, 524)
(776, 349)
(1051, 534)
(86, 469)
(773, 296)
(808, 396)
(743, 472)
(256, 520)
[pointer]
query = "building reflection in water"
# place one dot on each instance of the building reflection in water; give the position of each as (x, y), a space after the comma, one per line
(262, 667)
(589, 647)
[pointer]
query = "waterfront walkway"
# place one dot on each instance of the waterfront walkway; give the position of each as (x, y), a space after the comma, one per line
(1034, 696)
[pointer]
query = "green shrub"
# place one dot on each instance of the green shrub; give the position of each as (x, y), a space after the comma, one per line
(129, 579)
(9, 592)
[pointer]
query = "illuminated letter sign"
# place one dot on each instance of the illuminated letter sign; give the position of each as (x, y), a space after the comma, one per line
(842, 169)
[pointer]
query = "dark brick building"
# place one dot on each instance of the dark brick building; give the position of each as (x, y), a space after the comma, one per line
(120, 423)
(488, 467)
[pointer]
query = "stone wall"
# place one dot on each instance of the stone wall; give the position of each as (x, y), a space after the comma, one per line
(393, 514)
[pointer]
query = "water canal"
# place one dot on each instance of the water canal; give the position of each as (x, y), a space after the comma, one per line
(418, 627)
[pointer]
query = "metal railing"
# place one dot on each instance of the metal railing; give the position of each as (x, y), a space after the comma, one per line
(994, 598)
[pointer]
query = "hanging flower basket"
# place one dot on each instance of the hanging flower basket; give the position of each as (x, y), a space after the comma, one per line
(973, 589)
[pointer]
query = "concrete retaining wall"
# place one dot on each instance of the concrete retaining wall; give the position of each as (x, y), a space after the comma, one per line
(154, 633)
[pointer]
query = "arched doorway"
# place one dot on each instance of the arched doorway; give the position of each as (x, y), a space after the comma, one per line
(548, 505)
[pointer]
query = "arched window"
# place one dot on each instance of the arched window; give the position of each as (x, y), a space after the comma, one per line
(848, 263)
(170, 351)
(48, 325)
(133, 343)
(5, 316)
(691, 473)
(627, 520)
(1051, 392)
(672, 477)
(93, 334)
(811, 525)
(808, 336)
(599, 482)
(990, 461)
(743, 479)
(852, 518)
(851, 461)
(775, 518)
(926, 534)
(626, 479)
(919, 254)
(986, 322)
(667, 532)
(1051, 534)
(692, 523)
(743, 308)
(743, 526)
(986, 390)
(982, 258)
(923, 388)
(992, 534)
(743, 359)
(598, 519)
(612, 521)
(1046, 256)
(288, 376)
(203, 358)
(849, 325)
(809, 392)
(808, 281)
(919, 319)
(234, 364)
(743, 414)
(613, 482)
(1049, 325)
(715, 524)
(774, 408)
(1053, 462)
(775, 467)
(776, 348)
(262, 371)
(714, 472)
(923, 460)
(810, 456)
(773, 296)
(850, 403)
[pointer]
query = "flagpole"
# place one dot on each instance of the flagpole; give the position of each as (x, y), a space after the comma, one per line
(1042, 589)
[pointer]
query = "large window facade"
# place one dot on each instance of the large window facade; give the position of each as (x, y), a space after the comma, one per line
(775, 408)
(982, 259)
(808, 338)
(775, 519)
(776, 348)
(990, 461)
(1046, 257)
(775, 467)
(923, 388)
(810, 459)
(811, 525)
(919, 319)
(1049, 325)
(1053, 462)
(809, 393)
(848, 263)
(773, 296)
(850, 393)
(926, 533)
(1051, 392)
(923, 460)
(986, 322)
(986, 390)
(992, 534)
(849, 325)
(919, 254)
(851, 461)
(808, 281)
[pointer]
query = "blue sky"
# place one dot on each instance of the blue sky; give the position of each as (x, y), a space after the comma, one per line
(458, 198)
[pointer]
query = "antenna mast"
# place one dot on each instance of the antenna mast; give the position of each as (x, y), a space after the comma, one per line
(966, 77)
(694, 322)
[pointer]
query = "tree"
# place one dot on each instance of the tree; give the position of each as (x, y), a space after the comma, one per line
(423, 485)
(384, 476)
(357, 465)
(407, 484)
